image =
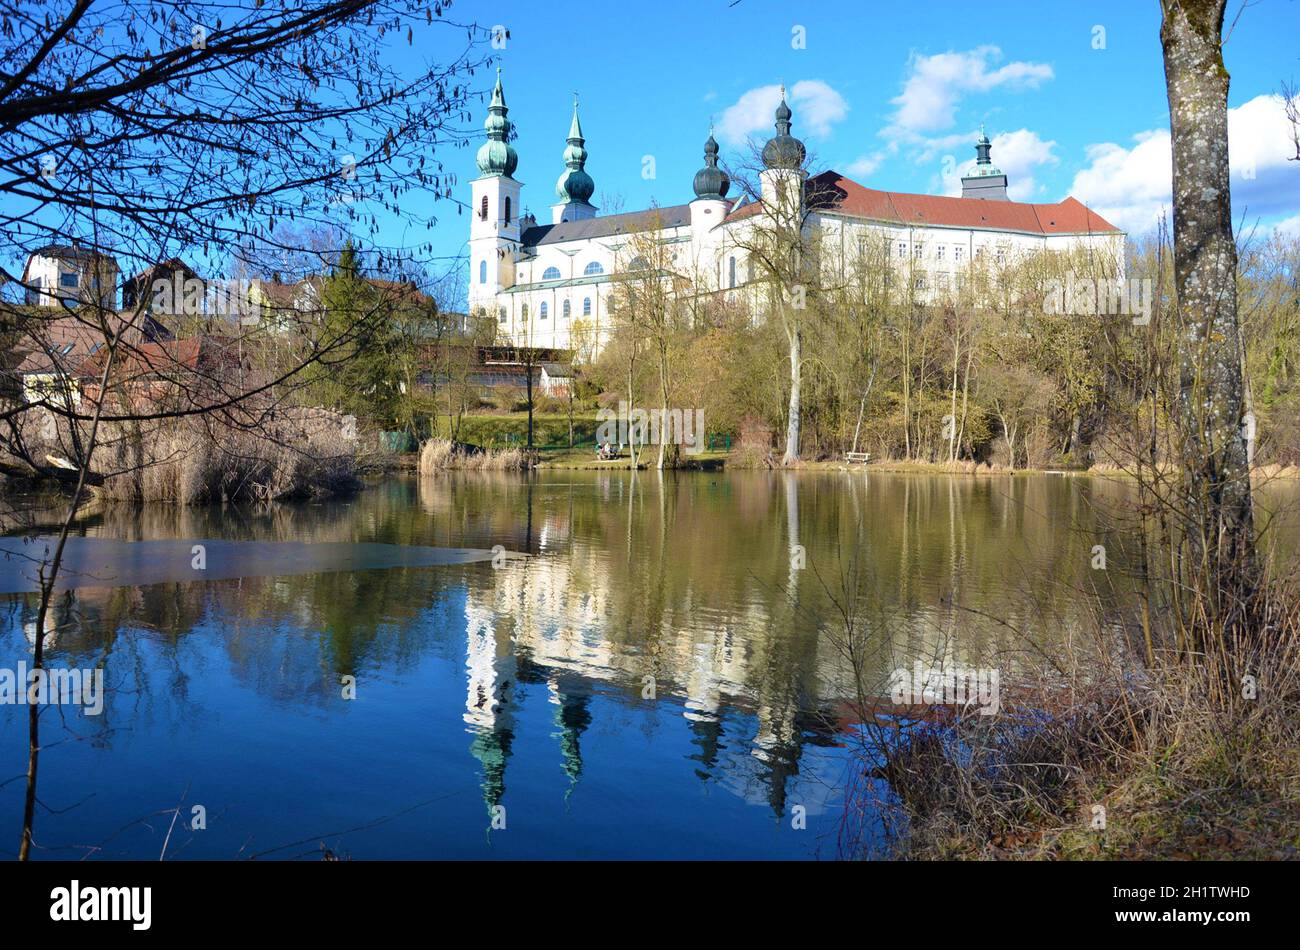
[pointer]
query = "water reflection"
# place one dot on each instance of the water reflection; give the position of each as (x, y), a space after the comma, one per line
(658, 678)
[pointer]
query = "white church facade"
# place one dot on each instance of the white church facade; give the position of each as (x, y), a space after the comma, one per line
(551, 284)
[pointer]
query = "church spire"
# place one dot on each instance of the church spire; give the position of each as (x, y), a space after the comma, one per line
(497, 156)
(575, 185)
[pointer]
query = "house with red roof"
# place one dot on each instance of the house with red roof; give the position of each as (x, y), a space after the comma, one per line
(550, 285)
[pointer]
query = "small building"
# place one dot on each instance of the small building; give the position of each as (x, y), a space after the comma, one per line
(48, 355)
(556, 380)
(65, 275)
(144, 285)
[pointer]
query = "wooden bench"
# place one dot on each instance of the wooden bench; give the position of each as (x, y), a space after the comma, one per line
(863, 457)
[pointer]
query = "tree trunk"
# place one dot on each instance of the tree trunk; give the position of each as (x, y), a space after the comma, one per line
(796, 371)
(1216, 477)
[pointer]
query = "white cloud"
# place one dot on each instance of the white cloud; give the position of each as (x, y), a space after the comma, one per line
(936, 84)
(865, 165)
(816, 107)
(1131, 187)
(1289, 227)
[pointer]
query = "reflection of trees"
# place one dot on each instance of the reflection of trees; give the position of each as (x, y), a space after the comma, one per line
(686, 578)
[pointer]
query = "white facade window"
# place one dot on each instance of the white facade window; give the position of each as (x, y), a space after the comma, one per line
(957, 253)
(501, 315)
(920, 282)
(551, 273)
(731, 272)
(918, 250)
(1002, 255)
(542, 313)
(586, 306)
(902, 249)
(566, 310)
(938, 252)
(593, 269)
(482, 272)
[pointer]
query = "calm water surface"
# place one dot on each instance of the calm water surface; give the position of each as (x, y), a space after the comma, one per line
(660, 677)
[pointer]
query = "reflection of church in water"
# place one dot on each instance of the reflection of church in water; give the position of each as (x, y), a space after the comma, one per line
(545, 621)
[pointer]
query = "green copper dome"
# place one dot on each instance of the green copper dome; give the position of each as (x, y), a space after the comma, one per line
(711, 181)
(984, 167)
(496, 156)
(575, 184)
(783, 150)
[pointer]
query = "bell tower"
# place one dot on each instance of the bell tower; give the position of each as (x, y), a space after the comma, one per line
(494, 209)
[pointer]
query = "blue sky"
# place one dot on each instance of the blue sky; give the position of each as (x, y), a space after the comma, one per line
(892, 95)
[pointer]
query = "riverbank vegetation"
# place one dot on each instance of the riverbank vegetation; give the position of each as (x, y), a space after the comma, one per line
(1174, 731)
(441, 455)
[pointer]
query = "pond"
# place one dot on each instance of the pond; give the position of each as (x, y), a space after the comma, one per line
(661, 674)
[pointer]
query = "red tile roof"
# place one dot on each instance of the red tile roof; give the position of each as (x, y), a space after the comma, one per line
(832, 192)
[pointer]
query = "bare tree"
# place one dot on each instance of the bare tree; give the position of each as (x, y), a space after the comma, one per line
(1213, 430)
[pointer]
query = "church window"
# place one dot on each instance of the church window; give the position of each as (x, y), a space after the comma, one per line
(593, 269)
(507, 210)
(551, 273)
(501, 315)
(566, 310)
(482, 209)
(482, 272)
(586, 306)
(543, 310)
(731, 272)
(524, 311)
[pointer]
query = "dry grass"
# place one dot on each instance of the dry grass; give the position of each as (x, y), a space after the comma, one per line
(302, 453)
(440, 455)
(1183, 763)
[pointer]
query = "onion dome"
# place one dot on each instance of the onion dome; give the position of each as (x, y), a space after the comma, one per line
(711, 181)
(496, 156)
(783, 150)
(575, 184)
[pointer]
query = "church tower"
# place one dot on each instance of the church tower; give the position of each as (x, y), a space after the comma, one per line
(575, 186)
(494, 212)
(783, 173)
(985, 180)
(708, 210)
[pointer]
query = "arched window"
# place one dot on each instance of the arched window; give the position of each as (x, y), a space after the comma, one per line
(482, 272)
(566, 310)
(731, 272)
(544, 309)
(638, 263)
(482, 209)
(501, 315)
(586, 306)
(593, 269)
(507, 210)
(524, 311)
(551, 273)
